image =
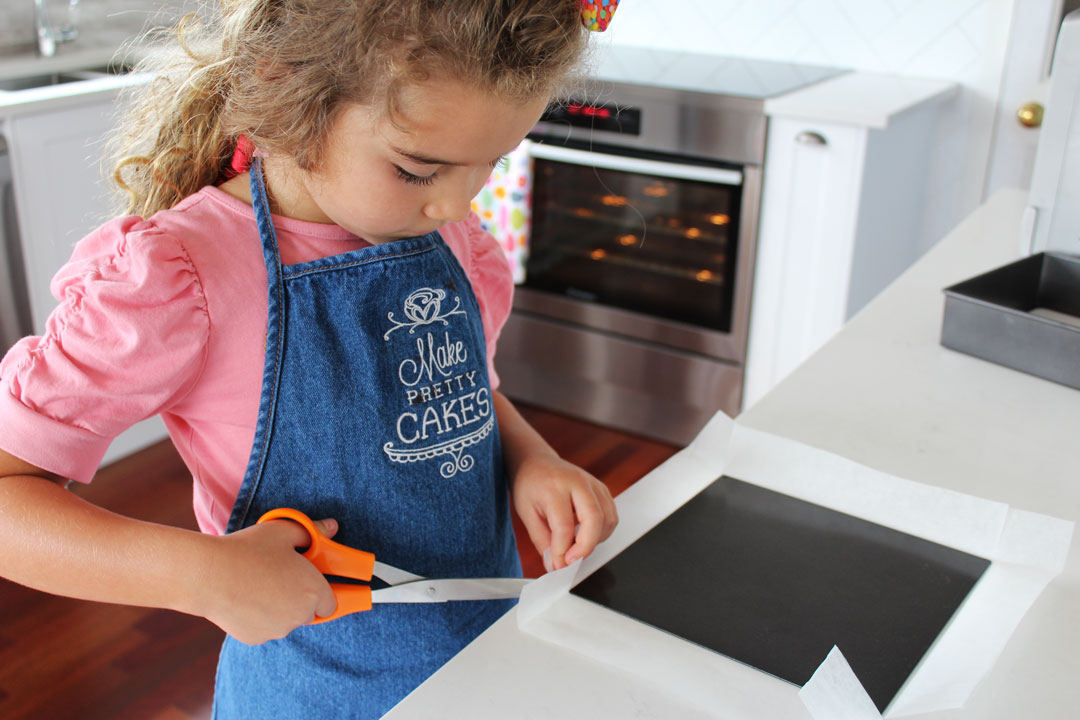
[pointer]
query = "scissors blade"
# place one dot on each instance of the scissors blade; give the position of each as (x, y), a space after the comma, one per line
(393, 575)
(446, 590)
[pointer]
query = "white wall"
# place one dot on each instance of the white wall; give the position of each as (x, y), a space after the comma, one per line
(960, 40)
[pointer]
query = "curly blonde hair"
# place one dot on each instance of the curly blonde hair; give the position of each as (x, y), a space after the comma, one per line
(279, 71)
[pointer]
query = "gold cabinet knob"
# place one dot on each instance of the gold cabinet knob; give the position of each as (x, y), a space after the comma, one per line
(1030, 114)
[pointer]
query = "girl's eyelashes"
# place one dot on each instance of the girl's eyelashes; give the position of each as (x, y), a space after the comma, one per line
(414, 179)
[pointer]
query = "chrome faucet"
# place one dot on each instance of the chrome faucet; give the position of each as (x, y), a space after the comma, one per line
(48, 36)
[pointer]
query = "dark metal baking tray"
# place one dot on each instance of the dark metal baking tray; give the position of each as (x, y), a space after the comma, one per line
(775, 582)
(995, 316)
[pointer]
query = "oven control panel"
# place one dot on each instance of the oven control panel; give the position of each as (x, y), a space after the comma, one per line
(597, 116)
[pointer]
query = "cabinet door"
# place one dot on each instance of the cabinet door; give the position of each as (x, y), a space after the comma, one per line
(810, 201)
(60, 197)
(56, 161)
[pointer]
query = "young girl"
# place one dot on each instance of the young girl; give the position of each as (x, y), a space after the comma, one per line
(316, 332)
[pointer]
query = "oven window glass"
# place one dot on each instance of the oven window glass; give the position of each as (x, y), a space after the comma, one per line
(655, 245)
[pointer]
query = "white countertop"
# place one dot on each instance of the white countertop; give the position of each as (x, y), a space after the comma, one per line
(106, 42)
(54, 97)
(860, 99)
(703, 73)
(886, 394)
(67, 58)
(786, 89)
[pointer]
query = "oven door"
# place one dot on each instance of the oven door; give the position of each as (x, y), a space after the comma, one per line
(655, 248)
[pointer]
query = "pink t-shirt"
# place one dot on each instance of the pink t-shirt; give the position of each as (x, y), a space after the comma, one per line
(168, 316)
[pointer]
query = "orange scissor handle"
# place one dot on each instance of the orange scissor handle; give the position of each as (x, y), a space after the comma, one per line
(350, 599)
(332, 558)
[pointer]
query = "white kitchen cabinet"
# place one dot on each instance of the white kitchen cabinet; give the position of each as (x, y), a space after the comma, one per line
(844, 197)
(55, 149)
(58, 190)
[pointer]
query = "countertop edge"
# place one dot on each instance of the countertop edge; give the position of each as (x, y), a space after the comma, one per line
(53, 97)
(861, 99)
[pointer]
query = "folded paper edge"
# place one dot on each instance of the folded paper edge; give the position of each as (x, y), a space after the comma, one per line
(834, 693)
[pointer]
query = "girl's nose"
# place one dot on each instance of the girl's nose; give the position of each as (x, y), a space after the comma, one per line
(452, 206)
(452, 201)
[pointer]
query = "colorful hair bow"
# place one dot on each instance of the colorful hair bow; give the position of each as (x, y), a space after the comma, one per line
(596, 14)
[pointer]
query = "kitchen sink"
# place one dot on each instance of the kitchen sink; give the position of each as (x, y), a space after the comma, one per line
(35, 81)
(28, 82)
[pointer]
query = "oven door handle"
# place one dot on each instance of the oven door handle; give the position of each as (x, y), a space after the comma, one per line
(557, 153)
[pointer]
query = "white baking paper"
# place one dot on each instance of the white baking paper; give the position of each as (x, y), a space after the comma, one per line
(1026, 550)
(834, 692)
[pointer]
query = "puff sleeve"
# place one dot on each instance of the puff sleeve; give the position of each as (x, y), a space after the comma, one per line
(127, 340)
(493, 283)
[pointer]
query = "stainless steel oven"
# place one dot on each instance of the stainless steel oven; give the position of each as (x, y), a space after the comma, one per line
(636, 296)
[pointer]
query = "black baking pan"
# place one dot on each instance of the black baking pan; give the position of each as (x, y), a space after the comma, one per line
(775, 582)
(1025, 315)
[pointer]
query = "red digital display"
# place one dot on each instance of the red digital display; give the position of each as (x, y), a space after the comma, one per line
(588, 110)
(596, 116)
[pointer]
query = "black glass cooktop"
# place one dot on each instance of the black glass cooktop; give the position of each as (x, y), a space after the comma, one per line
(776, 582)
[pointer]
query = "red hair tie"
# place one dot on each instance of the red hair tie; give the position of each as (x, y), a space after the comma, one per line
(596, 14)
(241, 159)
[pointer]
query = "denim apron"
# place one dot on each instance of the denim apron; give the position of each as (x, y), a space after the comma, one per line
(376, 410)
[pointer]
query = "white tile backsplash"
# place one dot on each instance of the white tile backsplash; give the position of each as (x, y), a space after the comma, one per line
(871, 35)
(836, 36)
(964, 41)
(868, 17)
(952, 49)
(788, 35)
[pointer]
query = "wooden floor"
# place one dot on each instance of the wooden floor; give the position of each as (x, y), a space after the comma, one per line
(62, 658)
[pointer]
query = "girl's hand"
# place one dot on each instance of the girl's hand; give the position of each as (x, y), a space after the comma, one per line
(553, 497)
(259, 588)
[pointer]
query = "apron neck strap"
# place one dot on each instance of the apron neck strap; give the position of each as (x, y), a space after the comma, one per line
(260, 201)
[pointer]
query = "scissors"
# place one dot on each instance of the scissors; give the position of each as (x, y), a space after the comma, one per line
(332, 558)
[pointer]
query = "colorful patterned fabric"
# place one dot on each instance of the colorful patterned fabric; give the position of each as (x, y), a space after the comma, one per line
(596, 14)
(503, 207)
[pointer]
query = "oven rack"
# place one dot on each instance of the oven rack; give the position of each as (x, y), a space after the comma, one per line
(573, 251)
(659, 228)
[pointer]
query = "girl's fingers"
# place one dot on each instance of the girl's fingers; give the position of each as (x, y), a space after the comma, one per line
(567, 521)
(288, 531)
(327, 527)
(327, 602)
(559, 514)
(591, 524)
(611, 513)
(538, 531)
(295, 533)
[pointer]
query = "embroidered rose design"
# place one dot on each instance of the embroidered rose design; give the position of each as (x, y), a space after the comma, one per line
(423, 307)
